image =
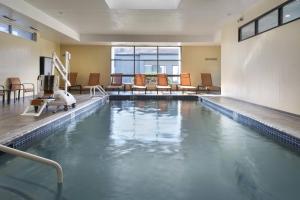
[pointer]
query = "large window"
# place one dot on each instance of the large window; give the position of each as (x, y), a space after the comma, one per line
(281, 15)
(146, 60)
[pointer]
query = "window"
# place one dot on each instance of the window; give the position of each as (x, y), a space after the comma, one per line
(291, 11)
(247, 31)
(268, 22)
(146, 60)
(281, 15)
(4, 27)
(22, 33)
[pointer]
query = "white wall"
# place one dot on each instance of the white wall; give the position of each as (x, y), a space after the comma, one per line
(265, 69)
(20, 57)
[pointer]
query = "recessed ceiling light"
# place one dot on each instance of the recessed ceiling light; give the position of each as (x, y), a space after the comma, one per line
(143, 4)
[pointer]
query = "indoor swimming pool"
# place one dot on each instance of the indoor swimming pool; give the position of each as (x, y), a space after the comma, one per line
(155, 150)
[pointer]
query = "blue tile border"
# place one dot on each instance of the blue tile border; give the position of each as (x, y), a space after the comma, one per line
(275, 134)
(51, 127)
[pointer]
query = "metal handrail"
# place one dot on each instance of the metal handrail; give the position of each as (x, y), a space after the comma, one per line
(35, 158)
(99, 88)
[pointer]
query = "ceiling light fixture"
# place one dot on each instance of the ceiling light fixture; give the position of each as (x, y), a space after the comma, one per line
(143, 4)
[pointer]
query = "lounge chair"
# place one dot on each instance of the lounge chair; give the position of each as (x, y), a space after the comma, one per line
(186, 83)
(139, 83)
(72, 76)
(94, 80)
(116, 82)
(163, 83)
(207, 83)
(15, 85)
(2, 93)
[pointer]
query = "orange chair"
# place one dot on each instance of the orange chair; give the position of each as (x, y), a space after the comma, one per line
(186, 83)
(72, 76)
(15, 85)
(207, 83)
(94, 80)
(116, 82)
(163, 83)
(139, 83)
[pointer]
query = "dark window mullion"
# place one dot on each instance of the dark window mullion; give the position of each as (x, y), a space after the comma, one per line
(280, 16)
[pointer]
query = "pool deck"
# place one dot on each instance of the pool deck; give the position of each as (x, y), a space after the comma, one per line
(14, 125)
(285, 122)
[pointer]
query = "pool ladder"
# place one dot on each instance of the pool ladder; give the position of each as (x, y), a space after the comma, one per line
(98, 88)
(35, 158)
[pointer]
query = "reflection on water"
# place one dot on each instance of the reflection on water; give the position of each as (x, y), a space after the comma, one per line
(145, 122)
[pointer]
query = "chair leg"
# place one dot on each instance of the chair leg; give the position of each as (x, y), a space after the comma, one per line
(19, 94)
(157, 90)
(131, 90)
(80, 89)
(3, 99)
(14, 96)
(146, 91)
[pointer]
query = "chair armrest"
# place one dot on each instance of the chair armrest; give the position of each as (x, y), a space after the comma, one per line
(27, 84)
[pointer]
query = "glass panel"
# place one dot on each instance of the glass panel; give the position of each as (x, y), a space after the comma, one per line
(122, 66)
(169, 67)
(291, 11)
(268, 21)
(247, 31)
(146, 67)
(122, 53)
(146, 53)
(21, 33)
(4, 27)
(169, 53)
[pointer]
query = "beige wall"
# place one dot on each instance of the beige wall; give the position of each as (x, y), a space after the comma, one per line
(89, 58)
(20, 57)
(194, 61)
(86, 59)
(265, 69)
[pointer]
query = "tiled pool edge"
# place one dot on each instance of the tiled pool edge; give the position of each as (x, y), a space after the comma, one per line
(51, 125)
(264, 129)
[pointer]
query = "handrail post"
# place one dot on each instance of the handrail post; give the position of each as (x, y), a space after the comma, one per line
(52, 163)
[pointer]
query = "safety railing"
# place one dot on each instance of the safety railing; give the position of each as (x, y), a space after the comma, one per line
(94, 89)
(35, 158)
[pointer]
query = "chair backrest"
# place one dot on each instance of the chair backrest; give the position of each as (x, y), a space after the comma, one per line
(162, 80)
(139, 80)
(14, 83)
(206, 79)
(185, 79)
(94, 79)
(116, 79)
(72, 76)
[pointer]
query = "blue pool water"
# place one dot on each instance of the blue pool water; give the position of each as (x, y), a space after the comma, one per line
(156, 150)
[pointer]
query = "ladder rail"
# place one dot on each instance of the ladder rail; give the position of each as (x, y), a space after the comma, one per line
(29, 156)
(99, 88)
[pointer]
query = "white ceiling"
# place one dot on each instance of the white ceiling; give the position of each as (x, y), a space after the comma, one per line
(194, 19)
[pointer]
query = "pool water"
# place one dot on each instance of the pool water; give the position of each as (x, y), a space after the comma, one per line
(156, 150)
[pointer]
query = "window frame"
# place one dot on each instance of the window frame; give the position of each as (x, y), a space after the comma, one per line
(157, 61)
(280, 21)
